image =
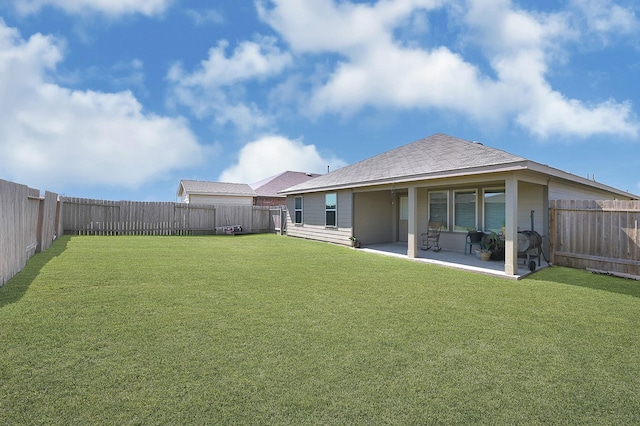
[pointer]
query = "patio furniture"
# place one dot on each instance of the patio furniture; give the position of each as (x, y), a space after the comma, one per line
(431, 238)
(473, 238)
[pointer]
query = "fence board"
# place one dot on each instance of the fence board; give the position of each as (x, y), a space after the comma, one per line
(99, 217)
(596, 235)
(28, 223)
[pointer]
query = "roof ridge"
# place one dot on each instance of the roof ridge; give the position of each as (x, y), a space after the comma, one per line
(438, 153)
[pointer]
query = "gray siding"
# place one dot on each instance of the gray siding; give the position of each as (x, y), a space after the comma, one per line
(230, 200)
(570, 191)
(313, 218)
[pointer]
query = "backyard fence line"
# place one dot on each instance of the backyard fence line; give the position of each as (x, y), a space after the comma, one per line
(84, 216)
(602, 236)
(28, 224)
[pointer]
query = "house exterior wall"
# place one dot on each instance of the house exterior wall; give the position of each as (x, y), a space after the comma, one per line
(559, 190)
(313, 218)
(373, 217)
(531, 197)
(374, 214)
(221, 200)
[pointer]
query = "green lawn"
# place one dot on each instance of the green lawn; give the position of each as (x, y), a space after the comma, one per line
(272, 330)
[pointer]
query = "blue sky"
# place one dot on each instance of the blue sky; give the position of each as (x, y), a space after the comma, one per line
(120, 99)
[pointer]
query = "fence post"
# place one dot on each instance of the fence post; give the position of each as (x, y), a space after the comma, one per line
(552, 231)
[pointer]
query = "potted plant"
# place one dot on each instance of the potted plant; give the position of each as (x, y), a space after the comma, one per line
(485, 254)
(354, 242)
(495, 245)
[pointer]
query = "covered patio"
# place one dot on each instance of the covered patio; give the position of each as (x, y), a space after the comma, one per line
(453, 259)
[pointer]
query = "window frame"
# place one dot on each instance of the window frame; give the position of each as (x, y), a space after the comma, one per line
(484, 206)
(328, 210)
(404, 207)
(445, 225)
(297, 210)
(475, 210)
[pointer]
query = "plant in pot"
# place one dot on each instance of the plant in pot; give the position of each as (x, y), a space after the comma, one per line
(485, 254)
(494, 244)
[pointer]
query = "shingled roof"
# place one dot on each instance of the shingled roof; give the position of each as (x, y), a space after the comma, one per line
(270, 186)
(426, 157)
(214, 188)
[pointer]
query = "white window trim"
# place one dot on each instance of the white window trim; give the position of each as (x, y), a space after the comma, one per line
(328, 210)
(404, 207)
(301, 209)
(453, 225)
(446, 192)
(484, 191)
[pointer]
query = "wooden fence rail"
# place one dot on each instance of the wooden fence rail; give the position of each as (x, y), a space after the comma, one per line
(601, 236)
(84, 216)
(28, 224)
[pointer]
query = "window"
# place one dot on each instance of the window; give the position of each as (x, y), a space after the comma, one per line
(404, 208)
(439, 208)
(331, 209)
(494, 210)
(297, 215)
(464, 210)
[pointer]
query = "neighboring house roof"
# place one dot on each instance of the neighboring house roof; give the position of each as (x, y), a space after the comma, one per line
(215, 188)
(436, 156)
(270, 186)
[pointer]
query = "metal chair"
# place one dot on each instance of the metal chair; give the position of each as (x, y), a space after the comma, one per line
(473, 238)
(431, 238)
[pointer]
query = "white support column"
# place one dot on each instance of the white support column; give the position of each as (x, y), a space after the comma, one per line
(511, 225)
(412, 238)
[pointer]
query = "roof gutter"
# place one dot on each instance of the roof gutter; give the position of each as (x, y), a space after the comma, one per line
(412, 178)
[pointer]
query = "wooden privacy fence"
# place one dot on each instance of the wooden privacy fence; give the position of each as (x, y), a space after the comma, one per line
(28, 224)
(601, 236)
(83, 216)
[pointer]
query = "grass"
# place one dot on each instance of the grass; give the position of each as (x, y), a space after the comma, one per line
(272, 330)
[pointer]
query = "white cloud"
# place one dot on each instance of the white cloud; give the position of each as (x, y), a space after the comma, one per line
(251, 59)
(324, 25)
(212, 89)
(606, 17)
(376, 69)
(51, 135)
(204, 17)
(108, 7)
(271, 155)
(437, 78)
(521, 48)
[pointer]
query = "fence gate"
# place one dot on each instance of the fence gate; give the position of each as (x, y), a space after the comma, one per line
(278, 220)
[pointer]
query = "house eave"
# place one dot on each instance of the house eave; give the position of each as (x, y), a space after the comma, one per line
(509, 167)
(416, 178)
(560, 174)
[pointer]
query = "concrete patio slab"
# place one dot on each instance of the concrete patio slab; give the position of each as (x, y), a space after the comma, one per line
(452, 259)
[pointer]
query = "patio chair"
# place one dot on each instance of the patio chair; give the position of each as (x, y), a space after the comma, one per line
(473, 238)
(431, 238)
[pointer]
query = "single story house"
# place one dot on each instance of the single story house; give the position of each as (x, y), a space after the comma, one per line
(465, 185)
(203, 192)
(262, 193)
